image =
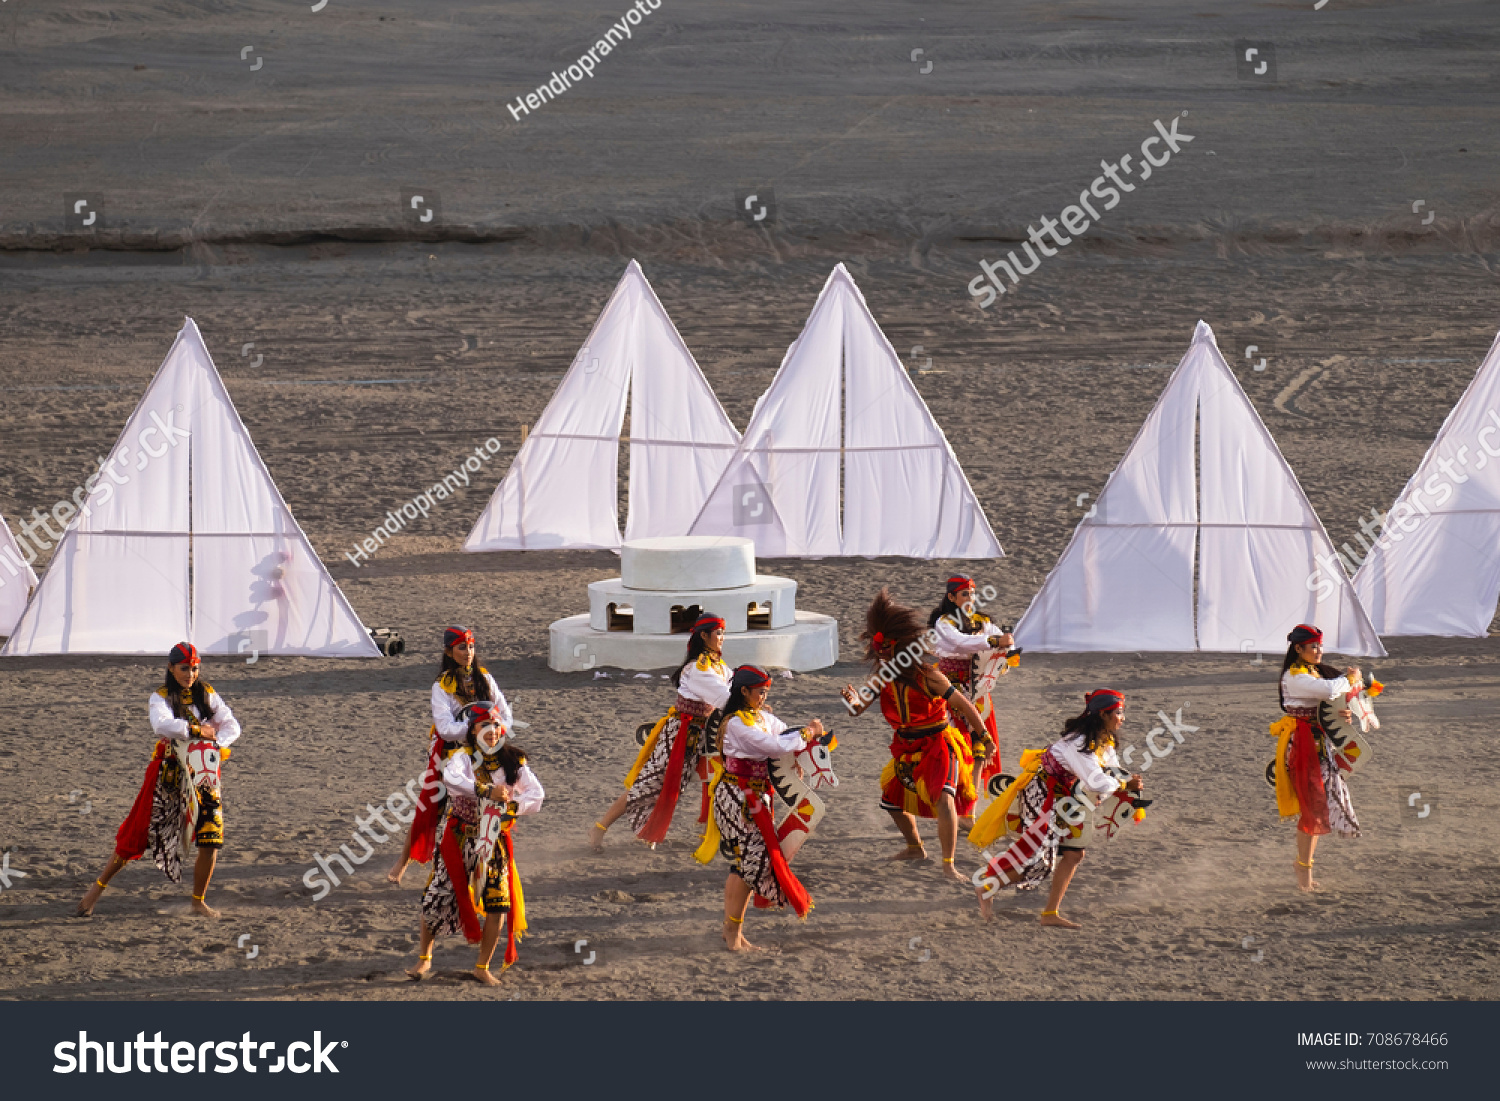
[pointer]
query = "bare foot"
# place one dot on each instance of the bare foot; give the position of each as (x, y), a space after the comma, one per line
(203, 908)
(1305, 881)
(397, 871)
(734, 938)
(986, 904)
(484, 976)
(90, 897)
(1058, 921)
(420, 971)
(953, 873)
(910, 852)
(596, 838)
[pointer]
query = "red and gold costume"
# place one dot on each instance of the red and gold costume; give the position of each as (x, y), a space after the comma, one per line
(929, 756)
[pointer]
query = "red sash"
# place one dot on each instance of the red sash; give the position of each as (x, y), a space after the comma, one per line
(765, 821)
(660, 822)
(134, 833)
(424, 823)
(514, 878)
(453, 859)
(1306, 774)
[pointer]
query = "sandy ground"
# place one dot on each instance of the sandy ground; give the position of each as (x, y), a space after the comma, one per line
(264, 204)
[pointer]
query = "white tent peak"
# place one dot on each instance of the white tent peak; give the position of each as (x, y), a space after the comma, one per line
(184, 536)
(1435, 568)
(561, 491)
(17, 579)
(1244, 530)
(842, 424)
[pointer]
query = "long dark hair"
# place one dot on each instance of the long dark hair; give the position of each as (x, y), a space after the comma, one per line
(481, 682)
(199, 692)
(1091, 725)
(697, 647)
(947, 607)
(510, 756)
(1326, 671)
(736, 701)
(899, 626)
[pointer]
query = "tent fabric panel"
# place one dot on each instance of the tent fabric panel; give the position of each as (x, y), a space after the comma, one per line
(243, 498)
(17, 579)
(558, 493)
(1442, 577)
(108, 594)
(1116, 589)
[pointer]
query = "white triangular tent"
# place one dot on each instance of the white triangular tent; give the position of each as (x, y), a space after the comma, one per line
(562, 489)
(1125, 581)
(17, 579)
(185, 536)
(842, 408)
(1435, 569)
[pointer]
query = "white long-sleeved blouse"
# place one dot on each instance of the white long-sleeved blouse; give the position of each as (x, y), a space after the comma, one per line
(951, 642)
(446, 705)
(761, 738)
(1307, 689)
(1088, 767)
(223, 724)
(458, 776)
(705, 680)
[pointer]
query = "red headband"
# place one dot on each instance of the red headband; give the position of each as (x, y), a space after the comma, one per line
(184, 652)
(749, 676)
(958, 584)
(454, 635)
(1103, 699)
(1302, 633)
(708, 623)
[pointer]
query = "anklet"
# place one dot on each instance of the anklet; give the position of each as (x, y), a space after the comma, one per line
(426, 957)
(481, 967)
(1299, 864)
(947, 860)
(601, 827)
(737, 921)
(103, 886)
(1050, 913)
(199, 898)
(915, 846)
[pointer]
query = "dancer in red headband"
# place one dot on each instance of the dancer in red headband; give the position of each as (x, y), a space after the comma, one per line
(1308, 783)
(931, 770)
(961, 636)
(1047, 815)
(194, 730)
(474, 876)
(677, 746)
(743, 810)
(461, 682)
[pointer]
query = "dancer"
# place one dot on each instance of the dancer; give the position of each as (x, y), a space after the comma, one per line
(742, 805)
(1049, 810)
(489, 785)
(1308, 784)
(961, 635)
(461, 681)
(930, 774)
(194, 730)
(677, 746)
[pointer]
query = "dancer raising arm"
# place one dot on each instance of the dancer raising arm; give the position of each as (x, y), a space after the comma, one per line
(461, 682)
(961, 635)
(1305, 769)
(677, 746)
(930, 773)
(194, 730)
(742, 805)
(489, 785)
(1049, 811)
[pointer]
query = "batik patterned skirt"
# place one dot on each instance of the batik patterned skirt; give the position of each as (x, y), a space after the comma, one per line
(673, 756)
(439, 903)
(170, 807)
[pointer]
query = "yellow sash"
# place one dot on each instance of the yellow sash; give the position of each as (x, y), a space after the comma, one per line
(640, 758)
(991, 824)
(706, 852)
(1286, 798)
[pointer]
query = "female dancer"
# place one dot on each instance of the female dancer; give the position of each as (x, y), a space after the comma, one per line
(930, 774)
(489, 784)
(194, 730)
(676, 747)
(742, 805)
(461, 681)
(1048, 811)
(960, 635)
(1308, 783)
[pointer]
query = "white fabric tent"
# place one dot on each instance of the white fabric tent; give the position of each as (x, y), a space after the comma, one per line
(17, 579)
(185, 536)
(843, 409)
(1125, 581)
(562, 489)
(1435, 570)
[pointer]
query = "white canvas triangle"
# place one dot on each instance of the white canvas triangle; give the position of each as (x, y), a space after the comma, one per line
(1125, 581)
(842, 408)
(17, 579)
(562, 489)
(1435, 569)
(184, 482)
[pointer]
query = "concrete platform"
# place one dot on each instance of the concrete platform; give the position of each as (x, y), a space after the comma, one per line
(651, 610)
(812, 642)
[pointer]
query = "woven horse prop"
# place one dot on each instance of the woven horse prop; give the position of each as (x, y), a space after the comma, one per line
(1346, 737)
(790, 774)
